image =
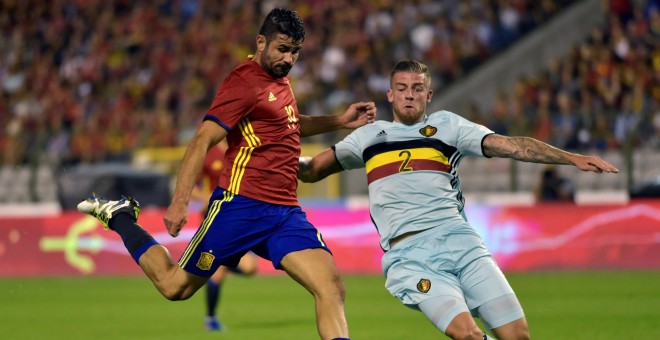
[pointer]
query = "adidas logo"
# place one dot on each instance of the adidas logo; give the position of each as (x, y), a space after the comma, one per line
(271, 97)
(381, 133)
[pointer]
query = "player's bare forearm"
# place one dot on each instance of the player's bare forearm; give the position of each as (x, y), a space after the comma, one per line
(191, 165)
(177, 213)
(314, 125)
(528, 149)
(208, 135)
(356, 115)
(314, 169)
(524, 149)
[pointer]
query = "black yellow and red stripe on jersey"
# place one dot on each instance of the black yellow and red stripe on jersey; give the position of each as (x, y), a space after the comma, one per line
(389, 158)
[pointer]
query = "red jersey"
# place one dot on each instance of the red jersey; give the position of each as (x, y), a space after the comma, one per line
(261, 117)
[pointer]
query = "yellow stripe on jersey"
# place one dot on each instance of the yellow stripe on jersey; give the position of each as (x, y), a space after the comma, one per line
(411, 154)
(248, 133)
(241, 161)
(239, 168)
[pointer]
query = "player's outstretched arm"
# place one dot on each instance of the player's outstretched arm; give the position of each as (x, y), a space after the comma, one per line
(356, 115)
(314, 169)
(208, 135)
(528, 149)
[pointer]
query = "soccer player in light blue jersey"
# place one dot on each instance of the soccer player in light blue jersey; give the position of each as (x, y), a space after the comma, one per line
(435, 261)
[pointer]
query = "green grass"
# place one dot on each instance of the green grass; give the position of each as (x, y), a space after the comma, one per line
(576, 305)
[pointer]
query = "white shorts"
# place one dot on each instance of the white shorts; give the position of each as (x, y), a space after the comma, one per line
(447, 262)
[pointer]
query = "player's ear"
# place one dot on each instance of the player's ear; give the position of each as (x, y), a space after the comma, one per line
(429, 96)
(261, 43)
(390, 96)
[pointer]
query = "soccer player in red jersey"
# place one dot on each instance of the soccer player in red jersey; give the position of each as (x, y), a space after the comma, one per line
(256, 207)
(209, 179)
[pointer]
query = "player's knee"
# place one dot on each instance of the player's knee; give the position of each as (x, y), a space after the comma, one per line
(524, 335)
(463, 327)
(249, 270)
(339, 287)
(516, 330)
(175, 293)
(521, 333)
(334, 289)
(465, 333)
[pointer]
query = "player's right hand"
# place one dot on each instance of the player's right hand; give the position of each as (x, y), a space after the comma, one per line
(175, 218)
(358, 114)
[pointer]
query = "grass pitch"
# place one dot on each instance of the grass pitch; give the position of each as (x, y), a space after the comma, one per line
(575, 305)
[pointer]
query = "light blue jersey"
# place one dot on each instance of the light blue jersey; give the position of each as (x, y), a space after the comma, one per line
(413, 186)
(411, 170)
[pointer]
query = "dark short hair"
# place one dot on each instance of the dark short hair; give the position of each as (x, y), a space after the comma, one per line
(283, 21)
(410, 66)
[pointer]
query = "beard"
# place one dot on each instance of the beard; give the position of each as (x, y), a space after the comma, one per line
(408, 117)
(279, 70)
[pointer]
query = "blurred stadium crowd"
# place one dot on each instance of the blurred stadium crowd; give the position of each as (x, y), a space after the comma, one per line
(603, 94)
(88, 81)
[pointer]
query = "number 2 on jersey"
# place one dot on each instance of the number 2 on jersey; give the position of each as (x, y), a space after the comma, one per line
(404, 165)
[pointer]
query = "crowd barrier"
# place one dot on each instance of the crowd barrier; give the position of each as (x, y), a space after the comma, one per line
(522, 238)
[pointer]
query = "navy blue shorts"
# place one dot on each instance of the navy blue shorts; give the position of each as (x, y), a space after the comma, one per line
(235, 224)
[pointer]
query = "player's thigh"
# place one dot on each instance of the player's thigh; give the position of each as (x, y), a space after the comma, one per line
(170, 279)
(314, 269)
(193, 282)
(179, 284)
(489, 294)
(447, 313)
(294, 234)
(482, 281)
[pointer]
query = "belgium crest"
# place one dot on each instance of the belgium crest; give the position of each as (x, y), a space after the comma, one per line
(424, 285)
(428, 131)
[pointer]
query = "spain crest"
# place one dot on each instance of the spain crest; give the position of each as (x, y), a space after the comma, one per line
(205, 261)
(424, 285)
(428, 131)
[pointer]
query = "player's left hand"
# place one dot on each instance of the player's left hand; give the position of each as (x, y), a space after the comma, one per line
(592, 163)
(358, 114)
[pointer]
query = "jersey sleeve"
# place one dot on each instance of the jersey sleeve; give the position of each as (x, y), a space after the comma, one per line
(234, 100)
(349, 152)
(467, 136)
